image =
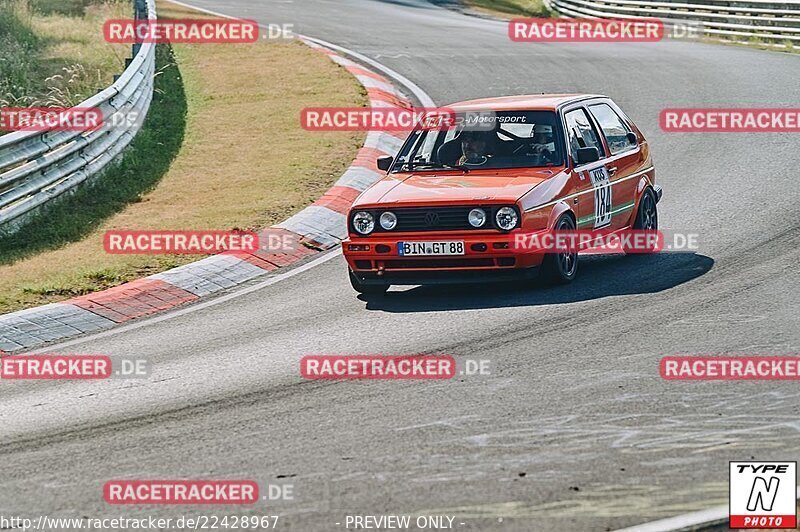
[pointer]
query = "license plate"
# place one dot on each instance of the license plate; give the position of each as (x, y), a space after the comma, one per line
(449, 247)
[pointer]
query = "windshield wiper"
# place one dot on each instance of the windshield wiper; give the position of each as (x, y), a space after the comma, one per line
(432, 164)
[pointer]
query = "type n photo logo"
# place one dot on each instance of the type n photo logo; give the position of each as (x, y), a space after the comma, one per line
(763, 495)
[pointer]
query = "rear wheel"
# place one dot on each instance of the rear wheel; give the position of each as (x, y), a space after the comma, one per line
(561, 268)
(366, 289)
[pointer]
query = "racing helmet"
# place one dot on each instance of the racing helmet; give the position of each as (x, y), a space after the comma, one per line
(543, 136)
(545, 130)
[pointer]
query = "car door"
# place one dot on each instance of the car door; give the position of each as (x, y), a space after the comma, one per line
(593, 199)
(622, 163)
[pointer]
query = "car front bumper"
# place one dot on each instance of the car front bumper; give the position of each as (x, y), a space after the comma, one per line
(376, 260)
(439, 277)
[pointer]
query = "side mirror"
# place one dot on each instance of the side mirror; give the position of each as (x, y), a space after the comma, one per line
(385, 162)
(632, 138)
(588, 155)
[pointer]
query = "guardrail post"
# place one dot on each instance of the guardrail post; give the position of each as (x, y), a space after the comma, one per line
(139, 13)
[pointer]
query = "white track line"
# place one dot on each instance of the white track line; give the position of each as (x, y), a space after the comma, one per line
(194, 307)
(685, 521)
(681, 522)
(418, 93)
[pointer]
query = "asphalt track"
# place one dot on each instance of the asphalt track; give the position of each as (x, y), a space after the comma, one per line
(574, 430)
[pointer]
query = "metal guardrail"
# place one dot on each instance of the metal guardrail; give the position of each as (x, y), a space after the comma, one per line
(768, 21)
(36, 167)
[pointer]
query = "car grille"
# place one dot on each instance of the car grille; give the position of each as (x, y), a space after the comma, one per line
(433, 219)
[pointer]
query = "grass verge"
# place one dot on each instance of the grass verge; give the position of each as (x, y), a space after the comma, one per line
(52, 52)
(243, 162)
(146, 160)
(512, 8)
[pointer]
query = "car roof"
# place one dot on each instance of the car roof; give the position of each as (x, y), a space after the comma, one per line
(549, 102)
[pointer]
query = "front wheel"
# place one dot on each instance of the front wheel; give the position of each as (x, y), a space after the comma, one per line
(647, 215)
(561, 268)
(366, 289)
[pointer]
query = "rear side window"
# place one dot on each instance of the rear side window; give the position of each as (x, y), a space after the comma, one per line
(581, 133)
(614, 129)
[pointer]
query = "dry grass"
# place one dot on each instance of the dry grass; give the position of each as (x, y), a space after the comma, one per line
(511, 8)
(79, 56)
(245, 162)
(67, 58)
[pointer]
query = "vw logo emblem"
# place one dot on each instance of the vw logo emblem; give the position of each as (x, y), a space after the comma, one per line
(431, 219)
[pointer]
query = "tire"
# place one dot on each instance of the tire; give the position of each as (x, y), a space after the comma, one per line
(561, 268)
(647, 215)
(367, 290)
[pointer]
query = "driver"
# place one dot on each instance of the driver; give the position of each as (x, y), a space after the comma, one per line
(543, 141)
(476, 146)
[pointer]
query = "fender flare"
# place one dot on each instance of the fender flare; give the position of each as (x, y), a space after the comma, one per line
(558, 209)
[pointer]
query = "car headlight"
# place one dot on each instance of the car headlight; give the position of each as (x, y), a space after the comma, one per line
(506, 218)
(388, 220)
(363, 222)
(477, 217)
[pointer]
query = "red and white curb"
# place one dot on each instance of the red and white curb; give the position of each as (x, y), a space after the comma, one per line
(318, 227)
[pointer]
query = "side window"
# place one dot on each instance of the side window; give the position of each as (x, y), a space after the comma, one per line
(426, 151)
(614, 129)
(411, 145)
(581, 133)
(421, 149)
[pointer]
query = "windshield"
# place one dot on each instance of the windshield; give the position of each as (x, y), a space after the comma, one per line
(483, 140)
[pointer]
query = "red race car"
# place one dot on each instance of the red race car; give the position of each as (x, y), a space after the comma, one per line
(455, 195)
